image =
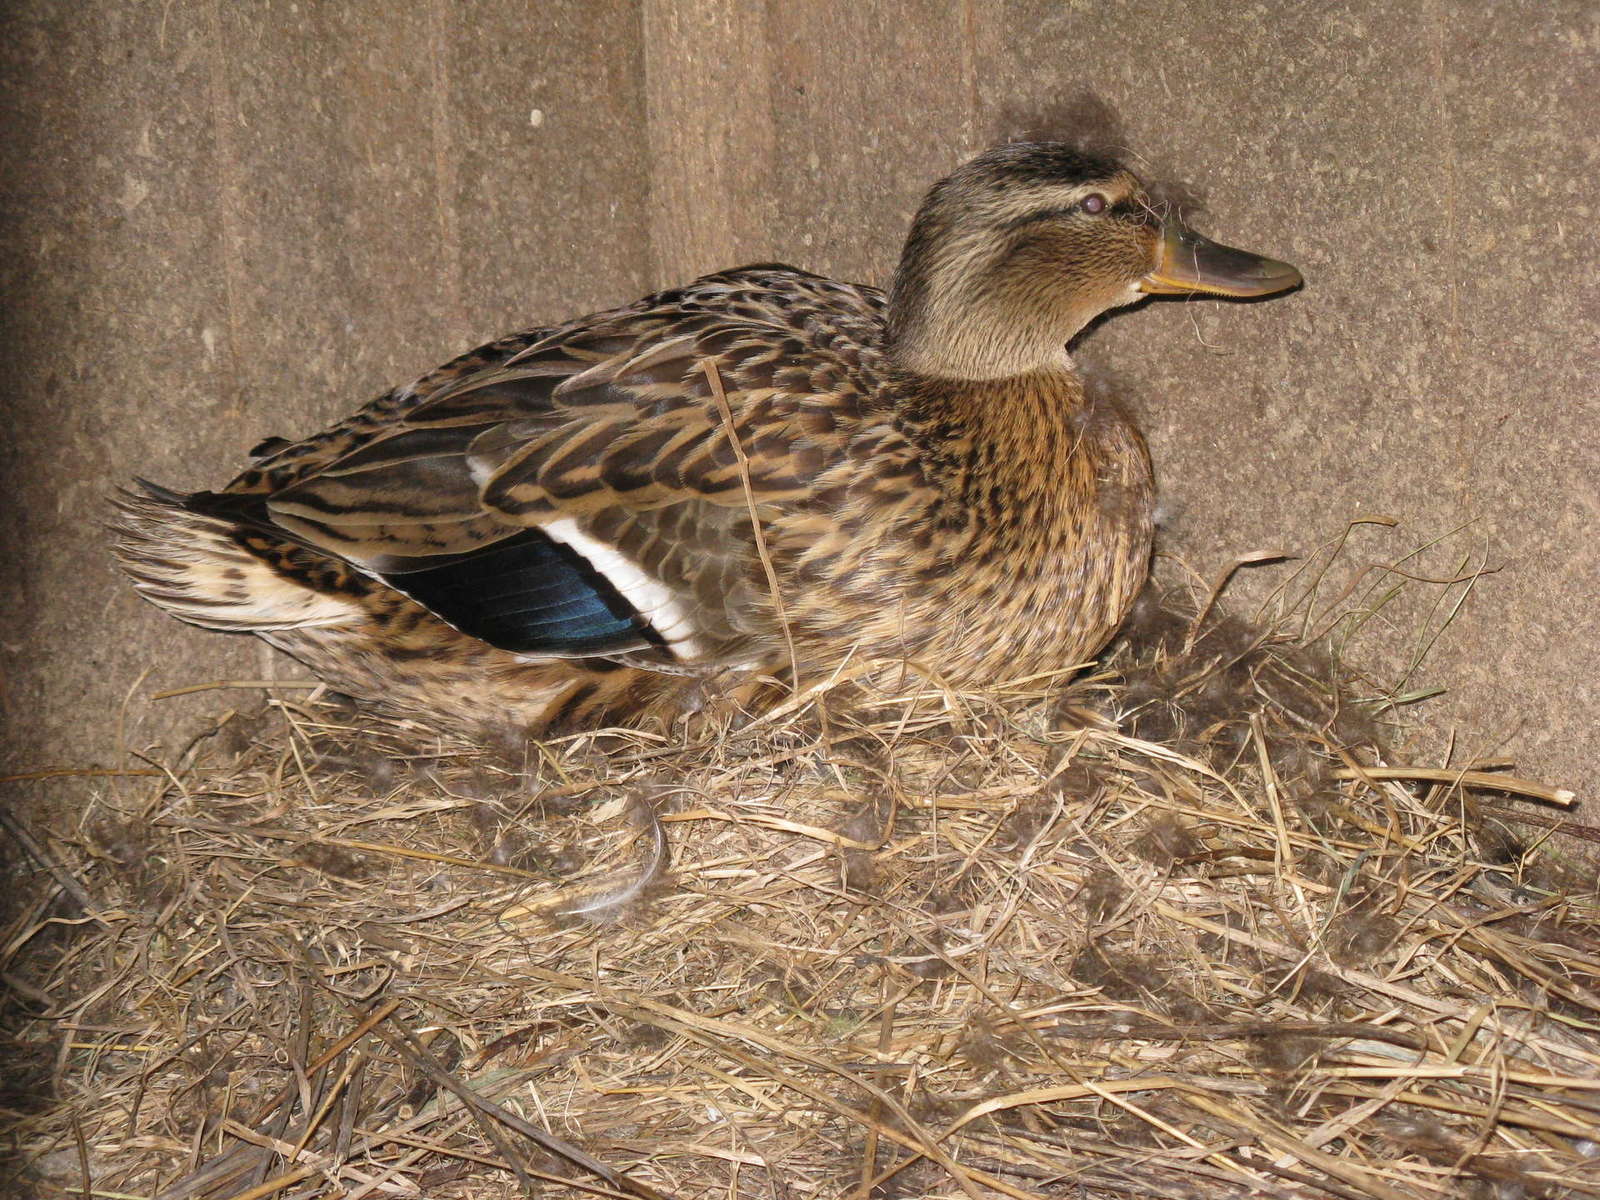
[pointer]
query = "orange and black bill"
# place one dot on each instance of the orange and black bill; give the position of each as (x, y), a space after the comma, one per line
(1189, 262)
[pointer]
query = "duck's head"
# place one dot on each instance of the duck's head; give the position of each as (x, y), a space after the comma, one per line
(1023, 246)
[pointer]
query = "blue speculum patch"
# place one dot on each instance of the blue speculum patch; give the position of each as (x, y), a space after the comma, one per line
(528, 594)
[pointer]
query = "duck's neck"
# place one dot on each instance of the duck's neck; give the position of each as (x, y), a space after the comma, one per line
(1017, 433)
(980, 352)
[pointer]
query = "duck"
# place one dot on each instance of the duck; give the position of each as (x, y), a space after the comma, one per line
(729, 488)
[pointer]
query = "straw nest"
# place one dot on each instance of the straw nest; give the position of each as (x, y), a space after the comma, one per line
(1181, 928)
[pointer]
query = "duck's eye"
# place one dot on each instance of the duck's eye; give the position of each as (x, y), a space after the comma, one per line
(1093, 203)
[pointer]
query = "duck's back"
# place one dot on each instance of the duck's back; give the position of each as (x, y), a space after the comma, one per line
(829, 334)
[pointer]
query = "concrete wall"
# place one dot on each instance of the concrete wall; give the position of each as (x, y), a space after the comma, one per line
(226, 221)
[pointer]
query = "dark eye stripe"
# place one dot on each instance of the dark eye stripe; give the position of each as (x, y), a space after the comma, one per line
(1123, 208)
(1042, 214)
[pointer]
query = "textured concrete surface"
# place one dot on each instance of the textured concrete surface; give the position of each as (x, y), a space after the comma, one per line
(223, 222)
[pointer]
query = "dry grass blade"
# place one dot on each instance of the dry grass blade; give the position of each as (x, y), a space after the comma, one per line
(714, 378)
(1487, 780)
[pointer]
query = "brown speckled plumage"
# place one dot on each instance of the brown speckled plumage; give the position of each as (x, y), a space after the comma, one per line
(932, 483)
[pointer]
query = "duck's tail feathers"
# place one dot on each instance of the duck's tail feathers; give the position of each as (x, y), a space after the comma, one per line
(198, 568)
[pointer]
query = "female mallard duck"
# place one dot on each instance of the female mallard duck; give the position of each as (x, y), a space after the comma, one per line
(590, 523)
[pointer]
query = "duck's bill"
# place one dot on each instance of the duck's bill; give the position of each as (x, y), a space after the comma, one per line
(1189, 262)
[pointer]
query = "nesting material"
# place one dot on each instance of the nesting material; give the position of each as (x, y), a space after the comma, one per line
(1172, 930)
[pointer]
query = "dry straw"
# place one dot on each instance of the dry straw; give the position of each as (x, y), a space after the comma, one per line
(1179, 929)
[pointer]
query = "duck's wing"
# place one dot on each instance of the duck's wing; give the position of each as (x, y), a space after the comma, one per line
(584, 497)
